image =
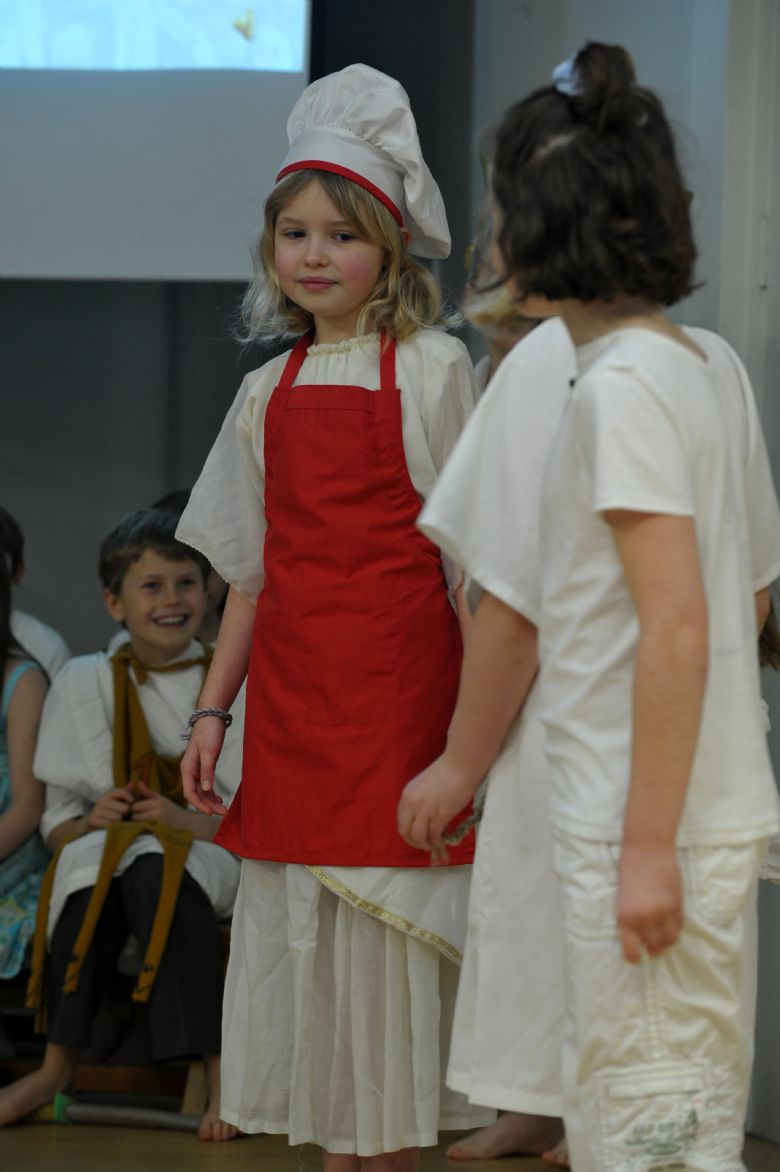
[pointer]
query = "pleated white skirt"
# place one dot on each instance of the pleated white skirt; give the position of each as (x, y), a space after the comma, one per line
(336, 1024)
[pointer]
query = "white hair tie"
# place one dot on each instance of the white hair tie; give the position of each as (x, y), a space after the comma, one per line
(565, 80)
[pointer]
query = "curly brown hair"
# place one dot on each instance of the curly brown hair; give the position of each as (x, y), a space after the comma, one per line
(589, 191)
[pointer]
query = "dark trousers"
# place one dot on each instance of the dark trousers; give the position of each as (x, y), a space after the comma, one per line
(185, 1006)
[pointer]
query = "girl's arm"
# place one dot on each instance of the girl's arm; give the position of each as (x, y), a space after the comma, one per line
(660, 560)
(27, 793)
(499, 665)
(226, 674)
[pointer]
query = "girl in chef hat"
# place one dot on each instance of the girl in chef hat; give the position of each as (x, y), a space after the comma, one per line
(346, 944)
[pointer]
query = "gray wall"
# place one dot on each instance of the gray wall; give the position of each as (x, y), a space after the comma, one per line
(110, 395)
(111, 392)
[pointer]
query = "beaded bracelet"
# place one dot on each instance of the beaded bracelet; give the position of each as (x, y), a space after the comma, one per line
(222, 713)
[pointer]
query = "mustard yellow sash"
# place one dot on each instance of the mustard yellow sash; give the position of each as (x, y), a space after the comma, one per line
(134, 760)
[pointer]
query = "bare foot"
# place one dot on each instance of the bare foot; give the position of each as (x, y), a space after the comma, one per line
(35, 1090)
(512, 1134)
(337, 1162)
(212, 1129)
(558, 1156)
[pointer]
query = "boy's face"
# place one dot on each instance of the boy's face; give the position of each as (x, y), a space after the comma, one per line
(161, 602)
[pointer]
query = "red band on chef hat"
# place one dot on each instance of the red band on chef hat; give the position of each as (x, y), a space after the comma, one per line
(337, 169)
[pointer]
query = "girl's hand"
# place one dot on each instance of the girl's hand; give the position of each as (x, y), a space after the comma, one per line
(113, 806)
(153, 807)
(198, 764)
(429, 803)
(649, 900)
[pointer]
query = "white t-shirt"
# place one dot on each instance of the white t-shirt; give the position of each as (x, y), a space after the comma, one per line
(484, 511)
(40, 640)
(225, 516)
(652, 427)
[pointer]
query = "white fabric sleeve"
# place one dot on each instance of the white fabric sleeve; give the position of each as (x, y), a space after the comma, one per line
(631, 442)
(447, 395)
(484, 511)
(62, 805)
(72, 739)
(225, 516)
(445, 391)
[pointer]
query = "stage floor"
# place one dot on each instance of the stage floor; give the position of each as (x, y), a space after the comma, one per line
(52, 1147)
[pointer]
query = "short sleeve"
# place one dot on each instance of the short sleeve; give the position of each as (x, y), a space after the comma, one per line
(73, 744)
(61, 806)
(438, 393)
(447, 395)
(484, 511)
(632, 444)
(225, 516)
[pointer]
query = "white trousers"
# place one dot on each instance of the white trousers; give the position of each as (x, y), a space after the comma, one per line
(657, 1056)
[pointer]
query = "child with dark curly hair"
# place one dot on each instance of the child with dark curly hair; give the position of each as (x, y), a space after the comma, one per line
(659, 534)
(660, 537)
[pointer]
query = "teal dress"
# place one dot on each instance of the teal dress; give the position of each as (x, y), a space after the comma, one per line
(22, 871)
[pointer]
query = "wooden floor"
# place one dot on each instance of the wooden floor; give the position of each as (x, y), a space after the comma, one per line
(57, 1147)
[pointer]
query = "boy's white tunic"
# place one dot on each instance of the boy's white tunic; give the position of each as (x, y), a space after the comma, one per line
(484, 512)
(74, 759)
(398, 932)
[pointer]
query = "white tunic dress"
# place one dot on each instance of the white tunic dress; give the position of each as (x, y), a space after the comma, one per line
(506, 1048)
(74, 759)
(341, 981)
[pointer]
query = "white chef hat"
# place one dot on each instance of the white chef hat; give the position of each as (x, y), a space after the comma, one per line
(358, 123)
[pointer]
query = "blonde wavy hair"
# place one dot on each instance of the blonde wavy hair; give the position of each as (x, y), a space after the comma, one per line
(488, 302)
(405, 298)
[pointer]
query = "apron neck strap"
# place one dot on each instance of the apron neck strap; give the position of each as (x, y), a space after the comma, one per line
(386, 362)
(295, 361)
(299, 351)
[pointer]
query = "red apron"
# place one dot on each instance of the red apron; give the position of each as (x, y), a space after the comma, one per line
(355, 657)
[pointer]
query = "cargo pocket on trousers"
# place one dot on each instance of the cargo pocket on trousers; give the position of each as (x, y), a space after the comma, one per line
(650, 1116)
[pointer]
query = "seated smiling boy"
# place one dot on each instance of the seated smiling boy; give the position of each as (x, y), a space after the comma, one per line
(134, 861)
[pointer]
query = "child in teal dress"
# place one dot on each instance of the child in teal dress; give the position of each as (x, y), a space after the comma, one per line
(23, 857)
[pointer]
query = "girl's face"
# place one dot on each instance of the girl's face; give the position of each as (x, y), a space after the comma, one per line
(323, 265)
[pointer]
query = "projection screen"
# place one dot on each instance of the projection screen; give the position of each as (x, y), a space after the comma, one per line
(138, 138)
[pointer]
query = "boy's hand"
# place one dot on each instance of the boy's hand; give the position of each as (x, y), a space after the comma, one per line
(149, 806)
(113, 806)
(198, 764)
(429, 803)
(649, 900)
